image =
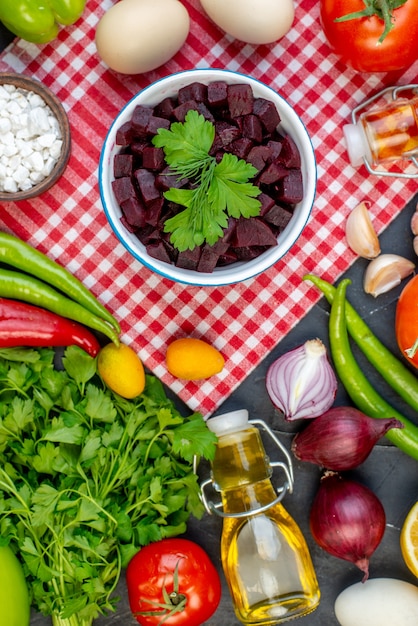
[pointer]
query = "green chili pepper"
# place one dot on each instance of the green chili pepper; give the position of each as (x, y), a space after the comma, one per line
(38, 21)
(396, 374)
(361, 392)
(22, 256)
(20, 286)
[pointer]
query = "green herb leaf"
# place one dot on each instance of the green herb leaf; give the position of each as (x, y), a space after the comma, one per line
(88, 477)
(186, 142)
(219, 189)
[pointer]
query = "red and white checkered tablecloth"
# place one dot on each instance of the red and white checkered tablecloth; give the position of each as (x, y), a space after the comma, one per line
(244, 321)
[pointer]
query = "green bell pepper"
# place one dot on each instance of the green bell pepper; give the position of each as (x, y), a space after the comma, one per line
(14, 594)
(39, 21)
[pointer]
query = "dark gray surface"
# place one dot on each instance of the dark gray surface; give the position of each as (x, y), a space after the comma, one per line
(5, 37)
(391, 474)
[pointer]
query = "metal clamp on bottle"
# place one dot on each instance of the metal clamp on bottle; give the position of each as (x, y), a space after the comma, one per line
(382, 135)
(236, 422)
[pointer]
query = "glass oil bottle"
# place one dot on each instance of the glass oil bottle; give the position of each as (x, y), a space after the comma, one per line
(385, 133)
(264, 554)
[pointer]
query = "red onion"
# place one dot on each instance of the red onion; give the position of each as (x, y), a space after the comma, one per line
(301, 383)
(347, 520)
(341, 438)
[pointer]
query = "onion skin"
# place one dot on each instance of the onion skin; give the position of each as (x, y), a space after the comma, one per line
(347, 520)
(341, 438)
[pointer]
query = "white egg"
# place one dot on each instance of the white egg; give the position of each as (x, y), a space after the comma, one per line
(136, 36)
(252, 21)
(378, 602)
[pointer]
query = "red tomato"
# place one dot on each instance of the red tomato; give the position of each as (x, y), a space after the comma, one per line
(356, 41)
(172, 566)
(406, 319)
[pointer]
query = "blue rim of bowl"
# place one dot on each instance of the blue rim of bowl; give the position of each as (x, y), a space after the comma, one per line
(213, 279)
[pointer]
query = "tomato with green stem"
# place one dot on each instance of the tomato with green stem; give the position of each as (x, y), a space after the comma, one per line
(406, 321)
(372, 35)
(172, 582)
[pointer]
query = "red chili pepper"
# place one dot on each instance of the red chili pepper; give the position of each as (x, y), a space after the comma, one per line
(24, 324)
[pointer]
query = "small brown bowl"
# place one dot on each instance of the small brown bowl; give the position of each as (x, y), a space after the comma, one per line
(30, 84)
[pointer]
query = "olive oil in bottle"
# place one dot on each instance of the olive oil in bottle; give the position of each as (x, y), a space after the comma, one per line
(264, 555)
(384, 134)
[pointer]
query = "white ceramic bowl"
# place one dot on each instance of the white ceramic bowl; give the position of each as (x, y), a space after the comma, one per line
(236, 272)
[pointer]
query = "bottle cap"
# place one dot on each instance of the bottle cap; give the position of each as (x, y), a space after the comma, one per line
(228, 422)
(356, 143)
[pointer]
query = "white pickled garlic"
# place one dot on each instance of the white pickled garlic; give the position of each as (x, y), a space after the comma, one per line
(30, 139)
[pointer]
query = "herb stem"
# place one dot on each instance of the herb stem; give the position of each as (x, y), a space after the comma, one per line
(74, 620)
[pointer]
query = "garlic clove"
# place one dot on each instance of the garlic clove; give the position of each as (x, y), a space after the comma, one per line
(385, 272)
(415, 244)
(414, 223)
(360, 234)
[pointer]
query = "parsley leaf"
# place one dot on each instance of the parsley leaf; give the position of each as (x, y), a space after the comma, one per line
(219, 190)
(88, 477)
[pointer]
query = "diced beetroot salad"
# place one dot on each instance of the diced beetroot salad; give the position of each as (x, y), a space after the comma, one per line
(245, 126)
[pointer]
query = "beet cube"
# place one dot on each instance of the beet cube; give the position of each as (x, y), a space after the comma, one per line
(123, 189)
(140, 119)
(246, 254)
(124, 134)
(125, 224)
(226, 259)
(240, 100)
(137, 147)
(203, 110)
(134, 212)
(275, 147)
(158, 251)
(165, 108)
(189, 259)
(240, 147)
(253, 232)
(153, 211)
(290, 188)
(149, 234)
(153, 158)
(165, 180)
(278, 216)
(272, 173)
(251, 128)
(146, 185)
(155, 123)
(195, 91)
(266, 202)
(122, 165)
(210, 255)
(217, 94)
(289, 154)
(180, 112)
(258, 156)
(267, 113)
(226, 132)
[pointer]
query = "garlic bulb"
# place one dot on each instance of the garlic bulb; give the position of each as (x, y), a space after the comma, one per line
(385, 272)
(360, 234)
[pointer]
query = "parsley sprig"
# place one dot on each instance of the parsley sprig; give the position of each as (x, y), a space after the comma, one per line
(219, 190)
(87, 477)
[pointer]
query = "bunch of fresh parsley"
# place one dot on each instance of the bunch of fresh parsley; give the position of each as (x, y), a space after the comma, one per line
(218, 190)
(87, 477)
